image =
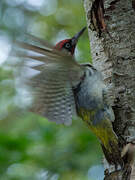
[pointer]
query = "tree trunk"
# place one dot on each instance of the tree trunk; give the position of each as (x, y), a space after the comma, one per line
(111, 29)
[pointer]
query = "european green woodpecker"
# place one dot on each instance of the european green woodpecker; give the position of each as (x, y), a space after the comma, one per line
(64, 88)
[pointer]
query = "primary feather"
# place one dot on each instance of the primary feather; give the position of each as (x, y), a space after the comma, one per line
(52, 88)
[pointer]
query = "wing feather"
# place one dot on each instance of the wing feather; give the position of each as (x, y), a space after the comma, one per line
(51, 89)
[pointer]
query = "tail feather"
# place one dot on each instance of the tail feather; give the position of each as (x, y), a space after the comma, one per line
(108, 140)
(110, 146)
(109, 143)
(112, 153)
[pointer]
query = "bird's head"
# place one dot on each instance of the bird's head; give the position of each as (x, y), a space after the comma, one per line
(69, 44)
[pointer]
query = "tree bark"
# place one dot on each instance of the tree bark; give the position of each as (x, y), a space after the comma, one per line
(111, 30)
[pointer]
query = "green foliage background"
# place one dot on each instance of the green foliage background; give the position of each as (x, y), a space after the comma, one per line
(31, 148)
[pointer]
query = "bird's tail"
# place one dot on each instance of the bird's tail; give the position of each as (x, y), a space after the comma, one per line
(109, 143)
(111, 149)
(99, 122)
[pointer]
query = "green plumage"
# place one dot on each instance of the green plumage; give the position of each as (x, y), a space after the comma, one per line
(103, 130)
(64, 88)
(93, 108)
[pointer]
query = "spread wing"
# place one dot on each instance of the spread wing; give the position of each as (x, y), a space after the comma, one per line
(51, 89)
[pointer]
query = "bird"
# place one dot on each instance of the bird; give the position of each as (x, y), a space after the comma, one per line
(63, 88)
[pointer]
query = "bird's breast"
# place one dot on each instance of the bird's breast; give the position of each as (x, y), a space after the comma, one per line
(89, 93)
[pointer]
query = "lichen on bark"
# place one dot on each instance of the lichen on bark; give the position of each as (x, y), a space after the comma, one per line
(113, 54)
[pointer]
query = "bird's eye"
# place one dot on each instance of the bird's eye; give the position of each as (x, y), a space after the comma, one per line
(67, 45)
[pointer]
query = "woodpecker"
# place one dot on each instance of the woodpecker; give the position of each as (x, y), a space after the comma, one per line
(64, 88)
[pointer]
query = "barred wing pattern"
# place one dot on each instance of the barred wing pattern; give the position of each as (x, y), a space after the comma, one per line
(52, 91)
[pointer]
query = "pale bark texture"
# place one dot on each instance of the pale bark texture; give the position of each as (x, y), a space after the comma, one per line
(111, 30)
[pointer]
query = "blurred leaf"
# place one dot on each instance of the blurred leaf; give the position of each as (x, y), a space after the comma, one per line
(30, 146)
